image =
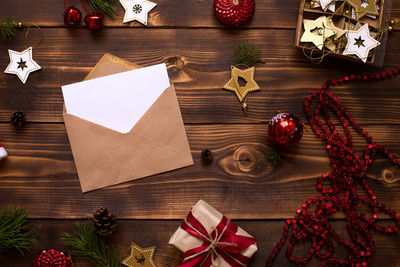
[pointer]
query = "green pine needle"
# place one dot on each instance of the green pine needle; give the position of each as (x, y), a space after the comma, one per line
(248, 54)
(104, 5)
(274, 156)
(7, 27)
(14, 231)
(86, 243)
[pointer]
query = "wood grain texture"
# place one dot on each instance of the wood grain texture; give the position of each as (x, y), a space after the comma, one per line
(40, 174)
(177, 13)
(199, 61)
(157, 233)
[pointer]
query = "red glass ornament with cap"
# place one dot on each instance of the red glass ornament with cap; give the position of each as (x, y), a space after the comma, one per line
(234, 12)
(52, 257)
(72, 16)
(285, 130)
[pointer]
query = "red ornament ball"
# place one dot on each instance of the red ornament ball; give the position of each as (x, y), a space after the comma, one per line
(52, 258)
(234, 12)
(94, 21)
(72, 16)
(285, 130)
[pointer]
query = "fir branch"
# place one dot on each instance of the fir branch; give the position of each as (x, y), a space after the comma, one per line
(274, 156)
(85, 242)
(14, 231)
(248, 54)
(7, 27)
(104, 5)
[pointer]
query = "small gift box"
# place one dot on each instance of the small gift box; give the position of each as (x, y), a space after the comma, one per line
(208, 238)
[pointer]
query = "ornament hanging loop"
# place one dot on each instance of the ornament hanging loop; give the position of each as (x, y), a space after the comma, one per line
(27, 34)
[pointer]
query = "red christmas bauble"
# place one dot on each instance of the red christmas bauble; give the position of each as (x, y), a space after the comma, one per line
(234, 12)
(72, 16)
(52, 258)
(94, 21)
(285, 130)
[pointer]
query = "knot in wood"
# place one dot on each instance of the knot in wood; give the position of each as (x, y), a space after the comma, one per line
(245, 158)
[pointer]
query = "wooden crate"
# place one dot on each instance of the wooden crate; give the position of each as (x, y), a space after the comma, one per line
(306, 12)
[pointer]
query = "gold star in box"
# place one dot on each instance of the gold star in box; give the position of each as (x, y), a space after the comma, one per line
(364, 7)
(140, 257)
(247, 77)
(316, 31)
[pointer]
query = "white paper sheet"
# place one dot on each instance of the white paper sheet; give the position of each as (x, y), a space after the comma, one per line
(117, 101)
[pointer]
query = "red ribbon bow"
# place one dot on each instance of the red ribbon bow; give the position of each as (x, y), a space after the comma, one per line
(222, 241)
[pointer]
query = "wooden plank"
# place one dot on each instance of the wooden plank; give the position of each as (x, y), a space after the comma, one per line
(157, 233)
(40, 174)
(199, 62)
(177, 13)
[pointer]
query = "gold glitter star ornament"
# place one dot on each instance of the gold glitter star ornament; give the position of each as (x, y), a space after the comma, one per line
(140, 257)
(248, 82)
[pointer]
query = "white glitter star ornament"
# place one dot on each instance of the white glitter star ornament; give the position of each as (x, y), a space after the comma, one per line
(137, 10)
(21, 64)
(360, 42)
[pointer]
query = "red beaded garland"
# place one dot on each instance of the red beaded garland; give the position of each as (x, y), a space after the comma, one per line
(285, 130)
(234, 12)
(52, 258)
(338, 190)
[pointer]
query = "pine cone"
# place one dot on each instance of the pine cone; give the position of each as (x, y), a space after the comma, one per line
(18, 118)
(207, 156)
(104, 222)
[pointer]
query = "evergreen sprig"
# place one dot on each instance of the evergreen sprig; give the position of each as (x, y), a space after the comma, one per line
(274, 156)
(7, 27)
(15, 232)
(104, 5)
(248, 54)
(86, 243)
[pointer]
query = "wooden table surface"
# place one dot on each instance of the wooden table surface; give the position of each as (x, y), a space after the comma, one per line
(40, 174)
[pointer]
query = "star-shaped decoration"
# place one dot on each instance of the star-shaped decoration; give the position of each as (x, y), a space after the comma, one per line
(21, 64)
(351, 27)
(331, 6)
(248, 82)
(360, 42)
(140, 257)
(331, 43)
(325, 3)
(137, 10)
(316, 31)
(363, 7)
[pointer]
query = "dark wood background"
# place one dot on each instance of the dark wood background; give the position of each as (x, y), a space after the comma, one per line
(40, 174)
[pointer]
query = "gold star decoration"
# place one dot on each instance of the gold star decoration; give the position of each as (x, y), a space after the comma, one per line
(364, 7)
(140, 257)
(331, 43)
(245, 76)
(316, 31)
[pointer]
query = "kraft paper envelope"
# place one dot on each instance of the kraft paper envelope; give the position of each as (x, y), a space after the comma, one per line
(157, 142)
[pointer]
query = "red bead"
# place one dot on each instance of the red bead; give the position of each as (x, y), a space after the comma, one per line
(234, 12)
(72, 16)
(94, 21)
